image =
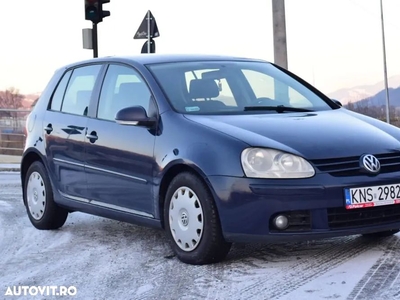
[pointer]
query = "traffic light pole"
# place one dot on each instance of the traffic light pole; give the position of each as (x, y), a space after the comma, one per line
(94, 39)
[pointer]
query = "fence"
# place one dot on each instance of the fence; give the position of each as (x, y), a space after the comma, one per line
(12, 130)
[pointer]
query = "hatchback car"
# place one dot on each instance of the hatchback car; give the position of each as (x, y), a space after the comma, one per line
(212, 149)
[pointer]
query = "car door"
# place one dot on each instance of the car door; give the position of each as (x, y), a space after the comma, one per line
(119, 158)
(65, 128)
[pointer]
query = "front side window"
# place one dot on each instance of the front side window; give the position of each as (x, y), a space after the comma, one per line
(122, 87)
(79, 90)
(233, 87)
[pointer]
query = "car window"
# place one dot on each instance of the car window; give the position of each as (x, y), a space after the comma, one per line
(58, 95)
(79, 90)
(125, 78)
(225, 94)
(267, 87)
(233, 87)
(122, 87)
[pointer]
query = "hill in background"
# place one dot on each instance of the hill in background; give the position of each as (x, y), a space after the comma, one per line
(364, 92)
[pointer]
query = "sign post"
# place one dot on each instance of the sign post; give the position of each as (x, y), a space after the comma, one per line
(148, 30)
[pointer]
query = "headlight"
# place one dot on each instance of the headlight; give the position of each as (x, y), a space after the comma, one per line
(269, 163)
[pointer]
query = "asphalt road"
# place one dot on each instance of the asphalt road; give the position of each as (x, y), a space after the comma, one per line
(105, 259)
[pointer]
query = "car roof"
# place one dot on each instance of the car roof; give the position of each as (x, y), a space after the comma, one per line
(145, 59)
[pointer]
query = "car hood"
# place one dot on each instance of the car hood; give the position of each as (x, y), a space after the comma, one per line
(314, 135)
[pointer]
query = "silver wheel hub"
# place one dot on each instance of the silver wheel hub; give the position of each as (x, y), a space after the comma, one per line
(36, 195)
(186, 219)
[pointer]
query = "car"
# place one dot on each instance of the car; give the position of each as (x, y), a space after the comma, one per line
(212, 149)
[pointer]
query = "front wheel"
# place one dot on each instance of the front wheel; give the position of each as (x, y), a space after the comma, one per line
(43, 212)
(192, 222)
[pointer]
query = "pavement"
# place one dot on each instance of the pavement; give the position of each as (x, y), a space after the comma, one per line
(9, 163)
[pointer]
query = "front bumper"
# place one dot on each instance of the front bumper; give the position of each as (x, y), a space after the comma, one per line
(315, 207)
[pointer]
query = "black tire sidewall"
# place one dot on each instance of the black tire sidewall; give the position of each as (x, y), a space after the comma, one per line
(53, 216)
(211, 235)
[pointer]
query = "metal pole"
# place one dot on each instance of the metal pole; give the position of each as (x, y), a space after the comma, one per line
(279, 28)
(94, 39)
(385, 67)
(281, 91)
(148, 31)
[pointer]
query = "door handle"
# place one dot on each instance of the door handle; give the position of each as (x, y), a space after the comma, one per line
(92, 137)
(48, 128)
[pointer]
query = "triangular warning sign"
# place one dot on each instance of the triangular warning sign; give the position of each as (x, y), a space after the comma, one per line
(143, 31)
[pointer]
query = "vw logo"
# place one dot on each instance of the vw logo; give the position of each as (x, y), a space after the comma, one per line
(370, 163)
(184, 219)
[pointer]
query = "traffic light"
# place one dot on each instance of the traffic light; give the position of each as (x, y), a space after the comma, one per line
(94, 10)
(103, 13)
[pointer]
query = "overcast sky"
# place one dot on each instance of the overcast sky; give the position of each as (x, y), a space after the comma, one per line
(331, 43)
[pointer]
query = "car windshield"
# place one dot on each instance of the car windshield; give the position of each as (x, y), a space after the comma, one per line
(234, 87)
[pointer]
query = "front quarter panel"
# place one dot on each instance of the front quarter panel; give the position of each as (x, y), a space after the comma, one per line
(186, 143)
(190, 143)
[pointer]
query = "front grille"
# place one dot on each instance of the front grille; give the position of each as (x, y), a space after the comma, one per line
(350, 166)
(299, 220)
(341, 218)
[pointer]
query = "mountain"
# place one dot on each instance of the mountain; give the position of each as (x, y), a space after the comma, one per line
(379, 98)
(361, 92)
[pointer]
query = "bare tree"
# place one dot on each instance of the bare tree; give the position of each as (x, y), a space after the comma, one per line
(10, 98)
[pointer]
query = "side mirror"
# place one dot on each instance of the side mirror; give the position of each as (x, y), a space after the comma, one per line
(337, 102)
(134, 115)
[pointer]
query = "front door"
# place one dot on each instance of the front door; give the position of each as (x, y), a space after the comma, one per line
(119, 158)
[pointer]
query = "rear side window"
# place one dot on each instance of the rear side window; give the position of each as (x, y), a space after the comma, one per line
(58, 95)
(79, 90)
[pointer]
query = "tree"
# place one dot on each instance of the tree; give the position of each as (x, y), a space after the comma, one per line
(10, 98)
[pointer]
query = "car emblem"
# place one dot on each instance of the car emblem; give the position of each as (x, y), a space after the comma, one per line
(370, 163)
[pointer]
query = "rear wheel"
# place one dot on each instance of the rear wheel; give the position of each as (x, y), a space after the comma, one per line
(381, 233)
(192, 222)
(42, 211)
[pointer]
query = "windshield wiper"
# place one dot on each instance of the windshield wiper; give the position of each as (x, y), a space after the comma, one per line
(279, 108)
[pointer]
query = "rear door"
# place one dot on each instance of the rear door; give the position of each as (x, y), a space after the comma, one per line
(119, 158)
(65, 128)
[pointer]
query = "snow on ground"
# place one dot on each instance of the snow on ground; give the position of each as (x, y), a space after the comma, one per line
(106, 259)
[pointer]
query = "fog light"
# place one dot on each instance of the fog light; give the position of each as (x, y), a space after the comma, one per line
(281, 222)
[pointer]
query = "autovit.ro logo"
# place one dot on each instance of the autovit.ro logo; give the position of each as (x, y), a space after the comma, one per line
(51, 290)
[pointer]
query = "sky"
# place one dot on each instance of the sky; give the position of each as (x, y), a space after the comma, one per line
(332, 44)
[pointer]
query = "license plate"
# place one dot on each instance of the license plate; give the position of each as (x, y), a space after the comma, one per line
(371, 196)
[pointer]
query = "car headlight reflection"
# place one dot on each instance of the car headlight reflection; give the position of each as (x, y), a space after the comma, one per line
(270, 163)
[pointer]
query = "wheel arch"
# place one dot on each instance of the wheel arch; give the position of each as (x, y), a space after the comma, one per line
(30, 156)
(169, 175)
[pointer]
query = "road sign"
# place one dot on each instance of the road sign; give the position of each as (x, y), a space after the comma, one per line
(148, 30)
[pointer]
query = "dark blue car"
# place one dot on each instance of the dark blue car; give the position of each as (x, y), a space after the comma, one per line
(213, 149)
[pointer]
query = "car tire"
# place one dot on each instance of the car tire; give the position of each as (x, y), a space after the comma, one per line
(381, 233)
(42, 211)
(192, 222)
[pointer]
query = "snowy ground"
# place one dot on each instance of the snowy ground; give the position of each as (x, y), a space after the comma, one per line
(105, 259)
